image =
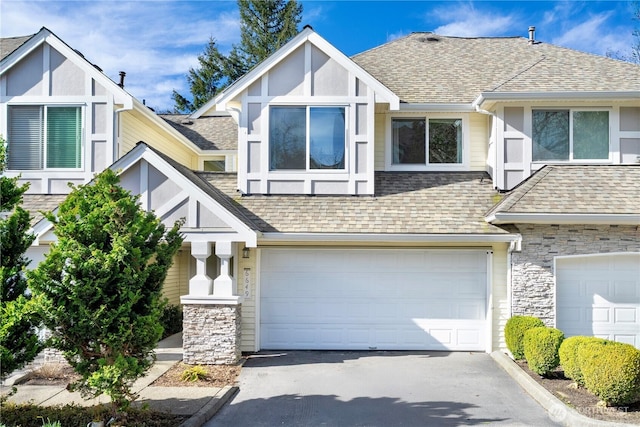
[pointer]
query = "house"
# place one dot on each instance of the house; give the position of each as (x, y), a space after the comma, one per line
(412, 197)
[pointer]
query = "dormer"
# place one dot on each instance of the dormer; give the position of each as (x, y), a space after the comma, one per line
(306, 121)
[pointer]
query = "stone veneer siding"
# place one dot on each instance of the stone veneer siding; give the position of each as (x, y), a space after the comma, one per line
(532, 274)
(211, 334)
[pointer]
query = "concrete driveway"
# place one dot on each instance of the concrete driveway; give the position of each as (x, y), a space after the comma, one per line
(379, 388)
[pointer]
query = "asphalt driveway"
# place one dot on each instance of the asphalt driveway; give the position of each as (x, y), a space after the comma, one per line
(379, 388)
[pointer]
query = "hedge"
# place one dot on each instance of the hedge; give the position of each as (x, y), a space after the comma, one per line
(541, 346)
(568, 354)
(514, 333)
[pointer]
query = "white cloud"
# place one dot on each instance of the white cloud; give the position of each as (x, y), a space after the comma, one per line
(154, 42)
(593, 35)
(465, 20)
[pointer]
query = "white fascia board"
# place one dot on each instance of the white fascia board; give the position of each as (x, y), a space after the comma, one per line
(381, 91)
(388, 238)
(446, 108)
(548, 96)
(44, 35)
(249, 235)
(602, 219)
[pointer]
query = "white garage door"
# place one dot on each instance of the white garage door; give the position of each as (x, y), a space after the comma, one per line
(373, 299)
(599, 296)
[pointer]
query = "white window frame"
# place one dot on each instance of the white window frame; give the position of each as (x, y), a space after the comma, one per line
(45, 138)
(466, 144)
(308, 169)
(571, 160)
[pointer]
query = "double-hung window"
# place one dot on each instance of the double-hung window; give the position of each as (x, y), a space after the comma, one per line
(421, 141)
(307, 138)
(565, 135)
(44, 137)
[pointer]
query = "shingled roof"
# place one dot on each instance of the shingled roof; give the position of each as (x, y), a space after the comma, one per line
(37, 203)
(405, 203)
(218, 132)
(567, 189)
(10, 44)
(430, 68)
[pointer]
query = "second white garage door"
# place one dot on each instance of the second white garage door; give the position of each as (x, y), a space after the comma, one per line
(599, 296)
(360, 299)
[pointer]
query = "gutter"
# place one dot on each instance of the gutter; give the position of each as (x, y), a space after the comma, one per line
(401, 238)
(535, 218)
(543, 96)
(466, 108)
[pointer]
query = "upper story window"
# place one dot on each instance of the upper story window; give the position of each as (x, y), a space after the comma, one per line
(418, 141)
(306, 138)
(44, 137)
(565, 135)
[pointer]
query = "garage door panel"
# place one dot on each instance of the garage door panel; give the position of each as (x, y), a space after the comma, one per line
(600, 296)
(362, 299)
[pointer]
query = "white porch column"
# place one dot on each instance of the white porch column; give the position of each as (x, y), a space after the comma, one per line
(201, 284)
(224, 284)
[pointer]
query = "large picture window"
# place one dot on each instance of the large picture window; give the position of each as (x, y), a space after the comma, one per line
(303, 137)
(418, 141)
(44, 137)
(564, 135)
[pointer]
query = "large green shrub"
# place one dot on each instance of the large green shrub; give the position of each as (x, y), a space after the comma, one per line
(611, 371)
(568, 353)
(171, 320)
(102, 285)
(514, 333)
(541, 346)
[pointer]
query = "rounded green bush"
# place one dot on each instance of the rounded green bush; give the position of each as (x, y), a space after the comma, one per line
(568, 354)
(611, 371)
(514, 332)
(541, 346)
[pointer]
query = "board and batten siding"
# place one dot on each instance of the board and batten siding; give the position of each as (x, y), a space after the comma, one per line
(134, 128)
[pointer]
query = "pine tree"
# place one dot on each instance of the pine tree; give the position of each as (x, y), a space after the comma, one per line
(102, 285)
(19, 343)
(265, 26)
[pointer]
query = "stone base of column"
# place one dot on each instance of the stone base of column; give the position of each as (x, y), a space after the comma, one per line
(211, 334)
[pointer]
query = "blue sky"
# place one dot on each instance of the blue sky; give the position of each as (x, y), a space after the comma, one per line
(156, 42)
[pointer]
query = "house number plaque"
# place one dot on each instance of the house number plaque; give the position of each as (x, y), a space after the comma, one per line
(246, 281)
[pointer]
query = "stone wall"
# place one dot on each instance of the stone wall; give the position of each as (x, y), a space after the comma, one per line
(532, 275)
(211, 334)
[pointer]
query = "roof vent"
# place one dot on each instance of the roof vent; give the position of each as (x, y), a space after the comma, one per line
(428, 39)
(532, 35)
(122, 75)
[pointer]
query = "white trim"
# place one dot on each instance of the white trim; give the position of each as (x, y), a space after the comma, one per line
(464, 165)
(561, 96)
(544, 218)
(392, 237)
(211, 300)
(489, 303)
(306, 35)
(440, 108)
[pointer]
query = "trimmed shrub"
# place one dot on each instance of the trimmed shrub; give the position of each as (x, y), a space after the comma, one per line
(514, 333)
(611, 371)
(568, 354)
(541, 346)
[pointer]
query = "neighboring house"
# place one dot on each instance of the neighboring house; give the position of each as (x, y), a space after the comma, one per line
(414, 196)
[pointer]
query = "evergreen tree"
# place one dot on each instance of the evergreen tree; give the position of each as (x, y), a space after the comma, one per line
(19, 343)
(102, 285)
(265, 26)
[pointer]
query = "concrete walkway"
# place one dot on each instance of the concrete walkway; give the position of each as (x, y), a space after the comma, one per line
(198, 403)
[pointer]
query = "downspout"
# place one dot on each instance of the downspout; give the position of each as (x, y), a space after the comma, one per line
(492, 132)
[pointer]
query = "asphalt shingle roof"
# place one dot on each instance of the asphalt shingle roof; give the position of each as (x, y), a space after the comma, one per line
(411, 203)
(9, 44)
(591, 189)
(207, 132)
(429, 68)
(36, 203)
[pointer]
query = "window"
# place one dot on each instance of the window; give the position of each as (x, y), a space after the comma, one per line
(570, 135)
(44, 137)
(214, 166)
(410, 145)
(302, 138)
